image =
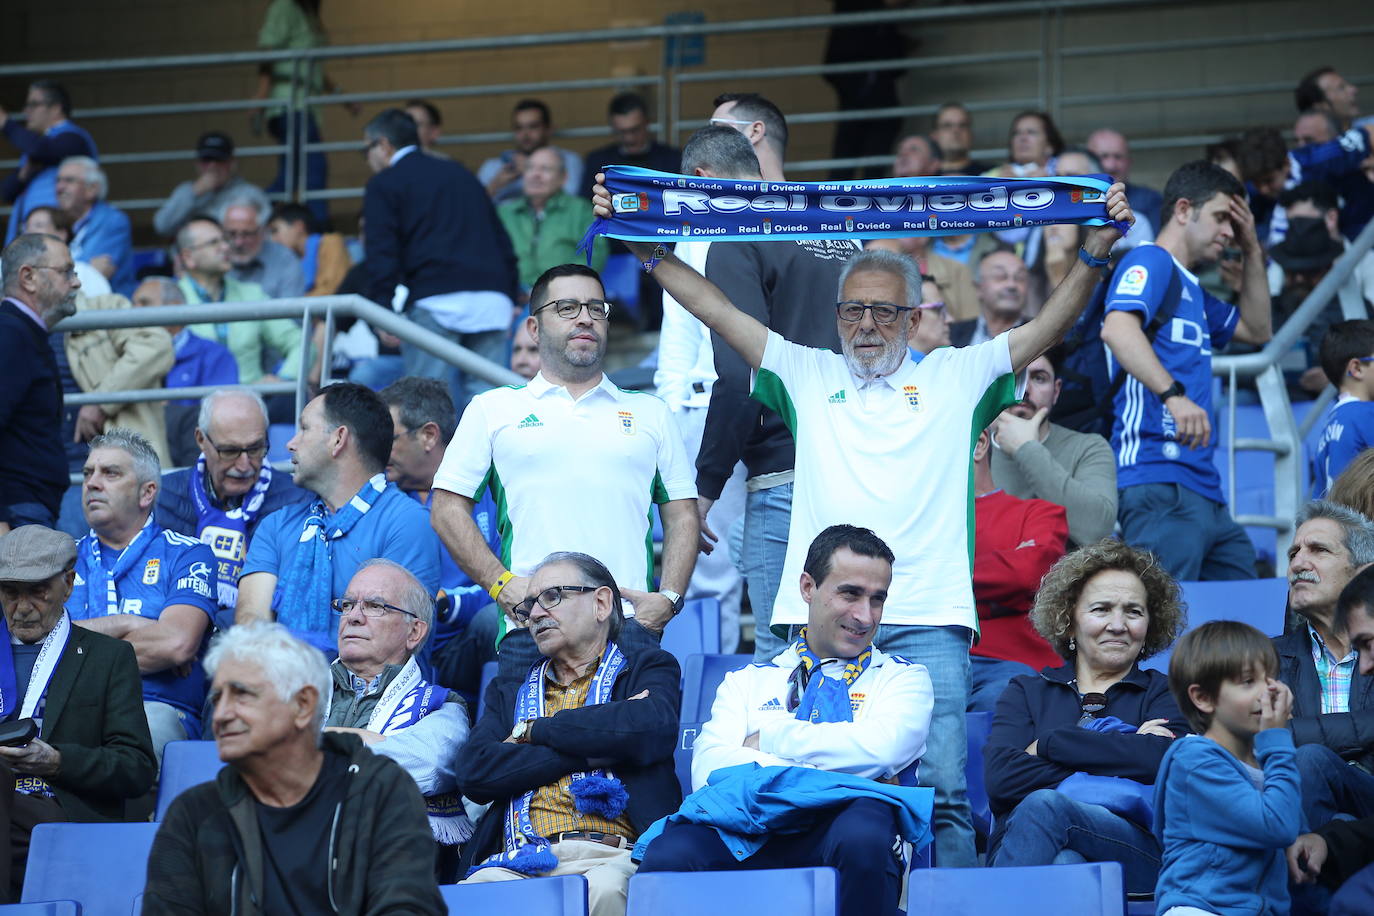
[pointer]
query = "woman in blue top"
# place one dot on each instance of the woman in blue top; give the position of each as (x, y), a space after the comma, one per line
(1104, 608)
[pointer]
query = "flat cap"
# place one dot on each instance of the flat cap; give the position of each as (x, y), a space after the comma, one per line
(32, 553)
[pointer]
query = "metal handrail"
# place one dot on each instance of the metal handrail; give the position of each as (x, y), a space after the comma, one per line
(1285, 435)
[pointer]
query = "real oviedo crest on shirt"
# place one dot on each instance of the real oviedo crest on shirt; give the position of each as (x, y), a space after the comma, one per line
(913, 396)
(627, 422)
(151, 569)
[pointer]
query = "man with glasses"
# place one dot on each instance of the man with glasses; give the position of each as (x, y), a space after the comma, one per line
(254, 257)
(1003, 284)
(306, 553)
(40, 286)
(138, 582)
(231, 488)
(574, 753)
(886, 441)
(203, 252)
(45, 138)
(572, 461)
(380, 692)
(431, 229)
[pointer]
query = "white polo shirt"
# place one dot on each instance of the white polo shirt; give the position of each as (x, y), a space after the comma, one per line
(894, 455)
(570, 475)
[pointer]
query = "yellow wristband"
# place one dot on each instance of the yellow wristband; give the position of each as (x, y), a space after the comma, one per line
(499, 584)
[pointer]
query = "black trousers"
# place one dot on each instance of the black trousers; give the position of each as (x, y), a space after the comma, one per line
(857, 839)
(23, 812)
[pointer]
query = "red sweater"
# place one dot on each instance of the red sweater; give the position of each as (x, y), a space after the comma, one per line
(1015, 543)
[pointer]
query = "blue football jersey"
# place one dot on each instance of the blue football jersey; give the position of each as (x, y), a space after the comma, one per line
(1347, 430)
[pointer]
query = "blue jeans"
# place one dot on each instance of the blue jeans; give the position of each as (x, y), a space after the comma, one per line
(1356, 895)
(1049, 828)
(377, 372)
(1192, 537)
(491, 345)
(38, 514)
(988, 677)
(944, 652)
(767, 515)
(1330, 786)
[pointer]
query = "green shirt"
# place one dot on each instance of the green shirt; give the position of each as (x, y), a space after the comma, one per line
(288, 27)
(248, 339)
(546, 241)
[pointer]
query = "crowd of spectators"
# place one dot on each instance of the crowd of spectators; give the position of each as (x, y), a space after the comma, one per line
(891, 487)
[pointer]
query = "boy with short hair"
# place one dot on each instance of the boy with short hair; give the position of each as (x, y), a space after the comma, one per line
(1347, 358)
(1228, 800)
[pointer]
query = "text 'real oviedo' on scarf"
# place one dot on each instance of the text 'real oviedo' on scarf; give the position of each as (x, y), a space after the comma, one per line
(594, 792)
(654, 206)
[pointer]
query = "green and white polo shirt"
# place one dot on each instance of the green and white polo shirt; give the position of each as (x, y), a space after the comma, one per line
(570, 475)
(893, 455)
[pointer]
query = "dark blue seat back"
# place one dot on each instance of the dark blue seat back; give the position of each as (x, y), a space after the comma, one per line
(793, 891)
(185, 764)
(1259, 602)
(701, 675)
(489, 670)
(1087, 889)
(696, 631)
(47, 908)
(563, 896)
(979, 726)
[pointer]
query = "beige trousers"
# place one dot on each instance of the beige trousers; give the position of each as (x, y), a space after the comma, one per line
(606, 869)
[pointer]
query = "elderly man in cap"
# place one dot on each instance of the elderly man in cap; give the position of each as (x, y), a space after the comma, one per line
(299, 821)
(575, 757)
(88, 751)
(380, 693)
(217, 179)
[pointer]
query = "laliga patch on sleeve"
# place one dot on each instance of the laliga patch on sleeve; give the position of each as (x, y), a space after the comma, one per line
(1132, 282)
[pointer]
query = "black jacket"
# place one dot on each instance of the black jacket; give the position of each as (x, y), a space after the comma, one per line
(1350, 847)
(1350, 734)
(1045, 707)
(431, 226)
(207, 856)
(635, 739)
(33, 464)
(94, 718)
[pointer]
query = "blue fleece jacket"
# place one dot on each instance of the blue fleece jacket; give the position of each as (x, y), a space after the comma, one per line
(1224, 841)
(748, 803)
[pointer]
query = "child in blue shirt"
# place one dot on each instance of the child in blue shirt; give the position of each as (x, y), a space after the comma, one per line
(1228, 800)
(1347, 358)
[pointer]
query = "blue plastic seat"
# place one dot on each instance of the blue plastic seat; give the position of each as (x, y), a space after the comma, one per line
(564, 896)
(185, 764)
(1258, 602)
(47, 908)
(794, 891)
(682, 754)
(620, 279)
(1088, 889)
(278, 434)
(489, 670)
(701, 676)
(101, 866)
(696, 631)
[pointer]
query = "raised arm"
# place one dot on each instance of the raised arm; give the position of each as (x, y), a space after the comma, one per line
(698, 295)
(1069, 298)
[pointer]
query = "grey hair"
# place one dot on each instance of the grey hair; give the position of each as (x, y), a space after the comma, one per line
(146, 464)
(593, 572)
(171, 292)
(244, 199)
(207, 405)
(24, 251)
(289, 663)
(1359, 530)
(415, 597)
(888, 262)
(94, 173)
(722, 151)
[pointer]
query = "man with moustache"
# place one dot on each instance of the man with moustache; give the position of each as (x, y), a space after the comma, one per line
(1003, 285)
(1333, 702)
(573, 462)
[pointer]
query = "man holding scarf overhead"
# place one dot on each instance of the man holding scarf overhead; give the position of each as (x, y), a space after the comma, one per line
(92, 750)
(831, 701)
(882, 441)
(576, 757)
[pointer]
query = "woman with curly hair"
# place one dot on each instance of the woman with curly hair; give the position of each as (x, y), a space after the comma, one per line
(1104, 608)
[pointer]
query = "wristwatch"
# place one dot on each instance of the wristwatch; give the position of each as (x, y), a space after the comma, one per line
(677, 600)
(1175, 389)
(521, 732)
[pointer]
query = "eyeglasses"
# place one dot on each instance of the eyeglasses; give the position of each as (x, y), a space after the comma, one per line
(571, 308)
(883, 312)
(68, 272)
(217, 240)
(235, 235)
(370, 607)
(731, 121)
(548, 599)
(1091, 706)
(232, 452)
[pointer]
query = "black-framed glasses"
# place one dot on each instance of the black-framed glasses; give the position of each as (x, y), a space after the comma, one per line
(883, 312)
(548, 599)
(232, 452)
(571, 308)
(370, 607)
(1091, 706)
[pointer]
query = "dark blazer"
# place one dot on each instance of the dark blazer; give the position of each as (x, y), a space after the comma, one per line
(430, 225)
(95, 720)
(1045, 707)
(961, 332)
(1350, 734)
(33, 463)
(635, 739)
